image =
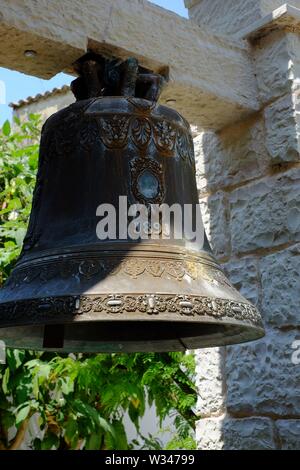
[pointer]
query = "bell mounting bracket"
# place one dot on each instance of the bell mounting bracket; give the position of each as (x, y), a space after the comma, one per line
(99, 76)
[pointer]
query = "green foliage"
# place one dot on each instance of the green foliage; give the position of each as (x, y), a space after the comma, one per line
(19, 147)
(78, 401)
(178, 443)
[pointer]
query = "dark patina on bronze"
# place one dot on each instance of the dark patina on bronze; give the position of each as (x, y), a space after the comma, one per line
(73, 292)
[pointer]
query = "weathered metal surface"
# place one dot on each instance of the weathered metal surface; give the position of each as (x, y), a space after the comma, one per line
(117, 295)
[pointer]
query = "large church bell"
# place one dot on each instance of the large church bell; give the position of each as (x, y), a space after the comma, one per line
(72, 291)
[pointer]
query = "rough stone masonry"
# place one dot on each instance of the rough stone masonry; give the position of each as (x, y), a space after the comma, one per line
(249, 186)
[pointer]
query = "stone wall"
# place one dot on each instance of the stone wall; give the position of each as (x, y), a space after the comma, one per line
(229, 17)
(249, 186)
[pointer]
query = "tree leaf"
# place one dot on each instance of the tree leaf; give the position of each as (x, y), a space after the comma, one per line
(134, 415)
(22, 414)
(17, 120)
(106, 426)
(94, 441)
(49, 441)
(5, 380)
(66, 385)
(121, 442)
(6, 129)
(15, 358)
(37, 444)
(71, 432)
(19, 236)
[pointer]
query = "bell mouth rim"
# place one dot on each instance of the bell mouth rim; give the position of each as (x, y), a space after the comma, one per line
(31, 337)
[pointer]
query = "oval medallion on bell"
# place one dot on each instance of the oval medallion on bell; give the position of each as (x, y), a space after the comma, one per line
(73, 291)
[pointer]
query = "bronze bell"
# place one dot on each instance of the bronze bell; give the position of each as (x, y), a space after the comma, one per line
(70, 290)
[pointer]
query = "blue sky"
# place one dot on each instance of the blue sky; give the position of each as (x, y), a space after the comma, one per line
(19, 86)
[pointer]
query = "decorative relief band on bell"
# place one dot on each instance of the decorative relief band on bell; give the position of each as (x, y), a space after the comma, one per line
(113, 130)
(141, 131)
(88, 269)
(116, 131)
(76, 307)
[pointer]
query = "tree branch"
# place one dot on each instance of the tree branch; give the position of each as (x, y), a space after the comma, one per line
(19, 438)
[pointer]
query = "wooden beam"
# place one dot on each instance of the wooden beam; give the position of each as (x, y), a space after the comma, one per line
(211, 79)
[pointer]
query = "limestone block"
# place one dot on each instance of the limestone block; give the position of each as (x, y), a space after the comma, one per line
(267, 6)
(244, 276)
(215, 216)
(289, 433)
(209, 433)
(284, 18)
(224, 17)
(211, 79)
(277, 60)
(261, 376)
(283, 129)
(231, 156)
(201, 159)
(228, 17)
(248, 434)
(280, 278)
(210, 381)
(235, 434)
(266, 213)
